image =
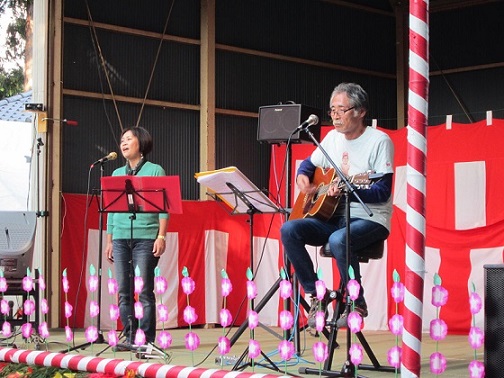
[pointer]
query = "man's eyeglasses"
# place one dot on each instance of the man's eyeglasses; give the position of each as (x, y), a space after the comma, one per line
(339, 112)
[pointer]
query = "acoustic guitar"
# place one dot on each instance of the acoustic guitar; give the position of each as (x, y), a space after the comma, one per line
(318, 204)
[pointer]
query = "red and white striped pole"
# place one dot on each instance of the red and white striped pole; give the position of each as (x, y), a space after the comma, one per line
(117, 367)
(415, 213)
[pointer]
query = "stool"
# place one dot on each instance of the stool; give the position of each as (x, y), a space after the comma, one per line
(373, 251)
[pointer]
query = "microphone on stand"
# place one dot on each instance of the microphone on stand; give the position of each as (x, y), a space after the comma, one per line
(110, 156)
(312, 120)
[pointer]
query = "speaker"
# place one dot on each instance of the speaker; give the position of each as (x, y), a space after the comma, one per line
(494, 320)
(277, 122)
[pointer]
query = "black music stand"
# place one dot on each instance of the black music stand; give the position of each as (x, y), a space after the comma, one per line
(241, 196)
(133, 195)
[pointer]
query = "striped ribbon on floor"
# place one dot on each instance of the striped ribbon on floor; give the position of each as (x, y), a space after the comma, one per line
(116, 366)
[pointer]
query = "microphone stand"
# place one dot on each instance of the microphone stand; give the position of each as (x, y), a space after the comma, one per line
(348, 369)
(100, 339)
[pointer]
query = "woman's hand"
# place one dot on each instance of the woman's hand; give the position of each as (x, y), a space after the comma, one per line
(159, 247)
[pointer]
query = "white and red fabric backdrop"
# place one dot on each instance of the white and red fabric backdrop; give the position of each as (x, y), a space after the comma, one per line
(465, 231)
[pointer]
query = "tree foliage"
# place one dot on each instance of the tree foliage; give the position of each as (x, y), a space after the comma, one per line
(12, 80)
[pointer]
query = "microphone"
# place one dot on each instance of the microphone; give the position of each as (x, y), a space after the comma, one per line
(312, 120)
(110, 156)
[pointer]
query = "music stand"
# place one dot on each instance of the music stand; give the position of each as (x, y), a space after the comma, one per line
(140, 194)
(231, 186)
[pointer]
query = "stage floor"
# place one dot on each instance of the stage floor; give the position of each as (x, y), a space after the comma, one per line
(455, 348)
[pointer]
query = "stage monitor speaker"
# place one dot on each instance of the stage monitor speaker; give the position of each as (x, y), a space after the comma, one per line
(17, 238)
(494, 320)
(277, 122)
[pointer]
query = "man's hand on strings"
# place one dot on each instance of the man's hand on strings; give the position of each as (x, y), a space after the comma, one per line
(304, 184)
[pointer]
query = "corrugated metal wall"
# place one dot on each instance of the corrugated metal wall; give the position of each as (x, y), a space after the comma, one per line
(302, 29)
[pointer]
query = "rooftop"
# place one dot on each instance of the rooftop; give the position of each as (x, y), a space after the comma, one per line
(13, 108)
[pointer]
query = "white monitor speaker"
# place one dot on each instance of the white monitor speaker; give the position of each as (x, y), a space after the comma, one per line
(17, 237)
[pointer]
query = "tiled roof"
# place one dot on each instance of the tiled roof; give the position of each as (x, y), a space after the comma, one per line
(12, 108)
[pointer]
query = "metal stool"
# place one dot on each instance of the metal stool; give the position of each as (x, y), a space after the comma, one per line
(373, 251)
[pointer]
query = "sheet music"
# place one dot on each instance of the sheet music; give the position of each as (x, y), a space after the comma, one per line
(216, 182)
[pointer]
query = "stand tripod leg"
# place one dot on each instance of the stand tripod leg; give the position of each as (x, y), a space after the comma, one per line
(258, 308)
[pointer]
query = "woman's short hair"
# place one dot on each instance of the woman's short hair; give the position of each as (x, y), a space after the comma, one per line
(143, 136)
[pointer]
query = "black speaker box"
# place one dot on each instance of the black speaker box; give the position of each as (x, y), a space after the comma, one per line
(277, 122)
(494, 320)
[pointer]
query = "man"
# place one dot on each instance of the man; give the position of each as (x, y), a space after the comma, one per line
(355, 148)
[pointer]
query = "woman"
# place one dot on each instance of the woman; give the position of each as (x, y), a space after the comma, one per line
(146, 245)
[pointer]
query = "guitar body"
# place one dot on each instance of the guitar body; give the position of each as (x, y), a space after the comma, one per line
(321, 206)
(317, 204)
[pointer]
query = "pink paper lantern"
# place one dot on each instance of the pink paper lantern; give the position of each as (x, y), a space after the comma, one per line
(28, 307)
(475, 303)
(41, 282)
(190, 315)
(112, 338)
(476, 369)
(285, 289)
(394, 356)
(192, 341)
(254, 349)
(225, 317)
(43, 330)
(320, 289)
(397, 291)
(139, 337)
(286, 320)
(476, 337)
(112, 286)
(93, 283)
(320, 320)
(68, 334)
(163, 313)
(354, 321)
(44, 306)
(91, 334)
(253, 319)
(160, 285)
(439, 296)
(68, 310)
(438, 329)
(138, 284)
(139, 310)
(164, 339)
(114, 312)
(188, 285)
(319, 350)
(27, 283)
(396, 324)
(356, 353)
(26, 330)
(4, 307)
(6, 329)
(437, 363)
(226, 287)
(353, 289)
(251, 290)
(223, 345)
(286, 350)
(66, 284)
(3, 284)
(94, 309)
